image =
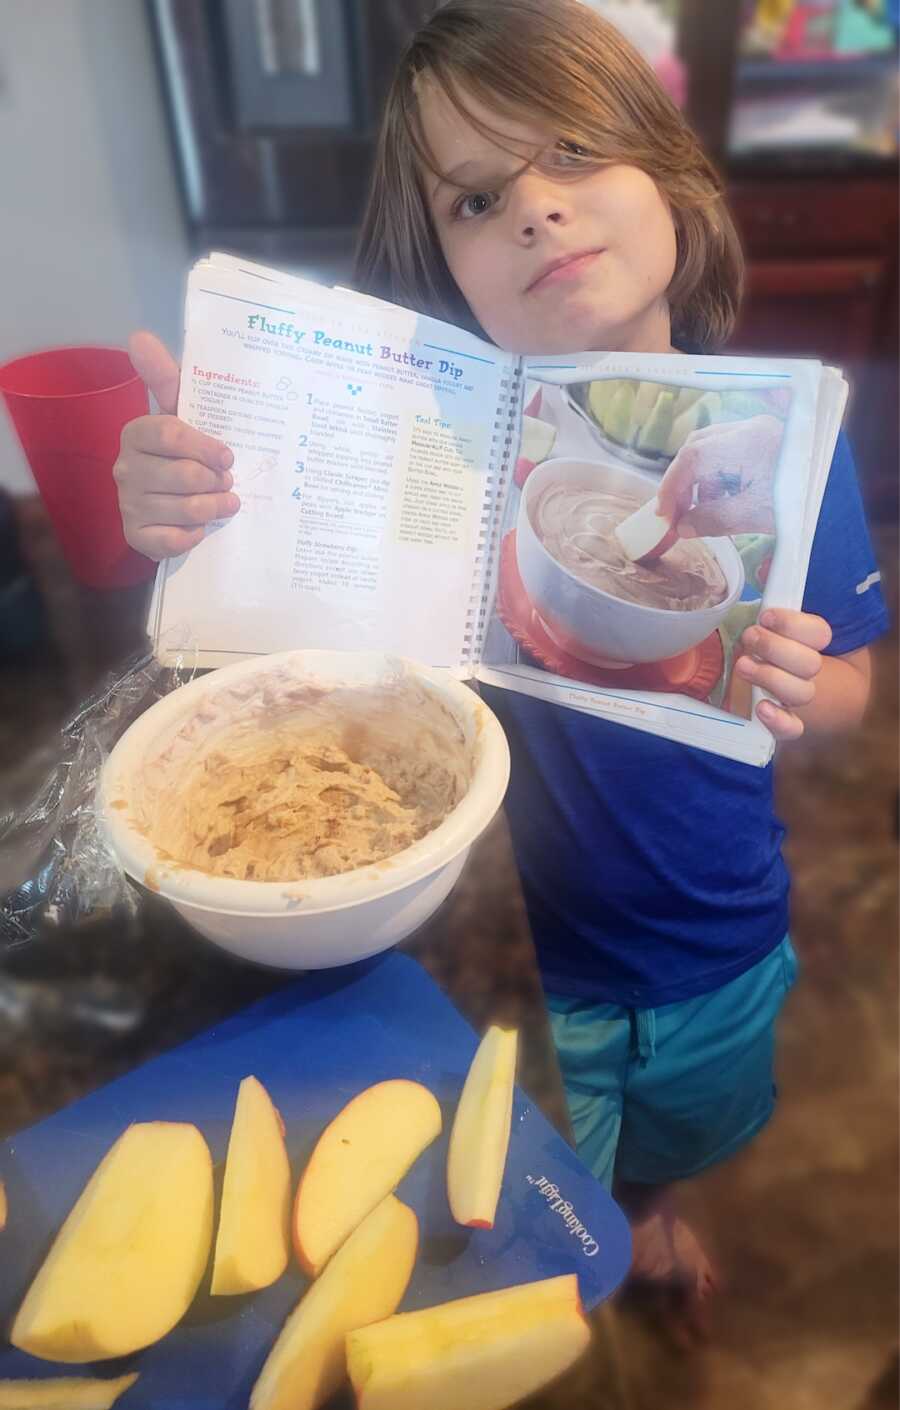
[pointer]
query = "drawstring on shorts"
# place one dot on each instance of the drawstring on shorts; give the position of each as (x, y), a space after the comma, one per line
(644, 1021)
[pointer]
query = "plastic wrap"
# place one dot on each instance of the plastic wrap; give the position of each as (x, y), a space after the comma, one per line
(55, 866)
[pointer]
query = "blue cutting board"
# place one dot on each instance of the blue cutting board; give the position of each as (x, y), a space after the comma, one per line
(314, 1045)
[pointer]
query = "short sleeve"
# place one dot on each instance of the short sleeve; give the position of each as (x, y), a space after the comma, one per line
(843, 584)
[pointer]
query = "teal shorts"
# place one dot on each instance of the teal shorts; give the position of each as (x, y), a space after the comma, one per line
(660, 1094)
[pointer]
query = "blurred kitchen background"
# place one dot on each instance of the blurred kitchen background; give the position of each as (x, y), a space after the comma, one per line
(136, 136)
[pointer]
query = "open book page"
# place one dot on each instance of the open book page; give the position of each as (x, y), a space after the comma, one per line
(608, 604)
(367, 444)
(832, 405)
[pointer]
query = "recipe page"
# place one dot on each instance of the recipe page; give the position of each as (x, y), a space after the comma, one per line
(367, 445)
(657, 504)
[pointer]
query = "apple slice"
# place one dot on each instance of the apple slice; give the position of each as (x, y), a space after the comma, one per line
(128, 1260)
(618, 413)
(600, 397)
(363, 1283)
(653, 433)
(253, 1242)
(534, 406)
(479, 1140)
(3, 1206)
(359, 1158)
(64, 1393)
(646, 534)
(538, 439)
(696, 415)
(480, 1353)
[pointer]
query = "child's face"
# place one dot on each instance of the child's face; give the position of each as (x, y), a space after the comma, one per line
(504, 239)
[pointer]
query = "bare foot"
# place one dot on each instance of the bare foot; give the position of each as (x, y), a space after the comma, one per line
(672, 1272)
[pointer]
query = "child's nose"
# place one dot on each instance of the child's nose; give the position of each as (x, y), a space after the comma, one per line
(536, 202)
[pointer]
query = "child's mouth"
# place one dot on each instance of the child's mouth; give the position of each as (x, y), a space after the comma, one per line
(567, 267)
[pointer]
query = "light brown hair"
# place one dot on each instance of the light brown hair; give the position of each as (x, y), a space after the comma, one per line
(560, 66)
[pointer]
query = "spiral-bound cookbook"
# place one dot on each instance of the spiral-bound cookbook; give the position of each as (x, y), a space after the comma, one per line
(596, 529)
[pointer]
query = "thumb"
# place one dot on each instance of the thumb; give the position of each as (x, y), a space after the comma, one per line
(156, 366)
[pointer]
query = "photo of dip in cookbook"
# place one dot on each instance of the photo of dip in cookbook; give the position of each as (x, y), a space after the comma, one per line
(597, 529)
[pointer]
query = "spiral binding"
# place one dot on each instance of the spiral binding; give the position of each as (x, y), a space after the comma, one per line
(504, 443)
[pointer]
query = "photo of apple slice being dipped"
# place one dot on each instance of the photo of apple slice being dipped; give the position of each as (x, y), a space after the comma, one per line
(646, 534)
(359, 1158)
(538, 439)
(363, 1283)
(253, 1240)
(64, 1393)
(479, 1140)
(479, 1353)
(127, 1262)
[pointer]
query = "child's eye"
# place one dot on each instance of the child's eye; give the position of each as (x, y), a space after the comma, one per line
(476, 203)
(567, 154)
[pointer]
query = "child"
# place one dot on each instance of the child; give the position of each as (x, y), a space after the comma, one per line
(534, 183)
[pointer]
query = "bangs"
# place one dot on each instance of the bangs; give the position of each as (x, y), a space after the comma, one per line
(557, 67)
(509, 80)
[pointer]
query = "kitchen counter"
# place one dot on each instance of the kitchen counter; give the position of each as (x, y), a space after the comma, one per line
(84, 1005)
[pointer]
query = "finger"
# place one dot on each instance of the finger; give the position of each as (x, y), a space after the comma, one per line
(186, 510)
(154, 475)
(799, 626)
(703, 433)
(165, 542)
(674, 495)
(156, 367)
(171, 439)
(780, 722)
(781, 651)
(788, 689)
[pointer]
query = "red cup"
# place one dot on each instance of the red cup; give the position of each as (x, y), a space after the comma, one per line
(68, 406)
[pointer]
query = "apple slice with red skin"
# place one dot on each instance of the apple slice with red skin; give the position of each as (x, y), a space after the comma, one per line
(360, 1157)
(537, 441)
(64, 1393)
(479, 1140)
(364, 1282)
(646, 534)
(478, 1353)
(253, 1240)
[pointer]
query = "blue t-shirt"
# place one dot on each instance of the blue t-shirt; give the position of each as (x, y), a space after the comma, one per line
(652, 871)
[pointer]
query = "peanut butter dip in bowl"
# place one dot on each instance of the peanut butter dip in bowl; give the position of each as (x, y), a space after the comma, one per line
(306, 809)
(594, 601)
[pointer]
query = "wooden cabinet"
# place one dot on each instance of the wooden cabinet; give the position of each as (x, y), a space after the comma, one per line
(822, 282)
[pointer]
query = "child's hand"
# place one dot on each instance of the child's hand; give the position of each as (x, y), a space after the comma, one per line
(172, 478)
(784, 657)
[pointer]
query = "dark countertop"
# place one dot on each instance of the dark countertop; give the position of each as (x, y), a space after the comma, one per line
(83, 1004)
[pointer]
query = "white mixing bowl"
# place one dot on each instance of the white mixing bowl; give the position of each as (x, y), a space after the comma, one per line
(591, 623)
(324, 921)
